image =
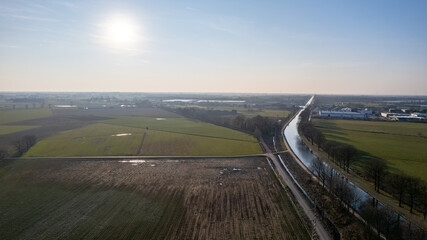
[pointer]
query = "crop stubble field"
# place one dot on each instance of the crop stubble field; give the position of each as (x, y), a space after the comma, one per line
(401, 144)
(157, 199)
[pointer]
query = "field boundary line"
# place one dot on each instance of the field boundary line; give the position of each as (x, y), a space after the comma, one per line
(139, 157)
(190, 134)
(140, 145)
(372, 132)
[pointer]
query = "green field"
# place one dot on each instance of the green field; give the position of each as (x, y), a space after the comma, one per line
(252, 112)
(6, 129)
(10, 116)
(401, 144)
(248, 112)
(147, 136)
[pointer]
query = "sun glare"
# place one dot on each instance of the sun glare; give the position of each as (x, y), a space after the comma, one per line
(121, 31)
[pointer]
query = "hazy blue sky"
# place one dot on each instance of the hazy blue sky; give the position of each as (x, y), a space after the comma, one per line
(350, 47)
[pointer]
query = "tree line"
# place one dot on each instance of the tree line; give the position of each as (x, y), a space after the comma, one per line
(21, 145)
(257, 126)
(340, 153)
(408, 190)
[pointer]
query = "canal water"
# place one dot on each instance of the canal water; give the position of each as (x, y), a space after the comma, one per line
(306, 157)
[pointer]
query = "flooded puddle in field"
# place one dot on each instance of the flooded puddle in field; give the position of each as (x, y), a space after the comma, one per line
(134, 161)
(160, 119)
(172, 160)
(121, 134)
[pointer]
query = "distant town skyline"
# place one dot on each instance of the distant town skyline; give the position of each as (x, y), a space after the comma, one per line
(308, 47)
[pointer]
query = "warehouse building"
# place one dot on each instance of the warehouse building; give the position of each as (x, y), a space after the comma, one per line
(336, 114)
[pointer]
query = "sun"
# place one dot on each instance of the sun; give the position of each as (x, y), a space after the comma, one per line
(121, 31)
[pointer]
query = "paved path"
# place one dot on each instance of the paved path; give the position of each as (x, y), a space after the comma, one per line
(142, 157)
(149, 157)
(303, 202)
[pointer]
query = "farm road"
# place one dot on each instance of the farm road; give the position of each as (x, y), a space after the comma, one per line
(308, 210)
(147, 157)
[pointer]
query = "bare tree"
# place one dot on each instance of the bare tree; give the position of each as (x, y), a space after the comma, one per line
(29, 141)
(349, 196)
(376, 169)
(319, 169)
(399, 182)
(19, 147)
(369, 213)
(340, 188)
(414, 185)
(24, 144)
(387, 219)
(3, 154)
(319, 138)
(424, 198)
(331, 177)
(257, 133)
(349, 153)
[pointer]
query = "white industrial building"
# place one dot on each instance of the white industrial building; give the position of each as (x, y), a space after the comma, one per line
(336, 114)
(404, 116)
(417, 114)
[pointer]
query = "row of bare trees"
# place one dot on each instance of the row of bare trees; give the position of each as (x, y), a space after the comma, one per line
(382, 218)
(24, 144)
(336, 183)
(257, 125)
(342, 154)
(407, 189)
(21, 145)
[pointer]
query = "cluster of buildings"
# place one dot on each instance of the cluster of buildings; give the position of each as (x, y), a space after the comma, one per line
(392, 114)
(345, 113)
(403, 115)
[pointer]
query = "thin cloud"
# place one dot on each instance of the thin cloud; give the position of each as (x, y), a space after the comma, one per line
(223, 29)
(17, 10)
(32, 18)
(191, 9)
(229, 24)
(8, 46)
(64, 4)
(336, 64)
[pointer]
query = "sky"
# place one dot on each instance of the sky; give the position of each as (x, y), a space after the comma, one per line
(322, 47)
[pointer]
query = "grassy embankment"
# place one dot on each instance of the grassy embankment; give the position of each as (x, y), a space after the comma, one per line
(147, 136)
(7, 117)
(401, 144)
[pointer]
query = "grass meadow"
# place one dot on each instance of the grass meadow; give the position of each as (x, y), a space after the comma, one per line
(147, 136)
(6, 129)
(401, 144)
(248, 112)
(9, 117)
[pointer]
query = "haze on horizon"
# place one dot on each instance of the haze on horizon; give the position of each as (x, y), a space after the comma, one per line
(357, 47)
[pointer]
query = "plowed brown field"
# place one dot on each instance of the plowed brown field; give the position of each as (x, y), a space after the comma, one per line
(152, 199)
